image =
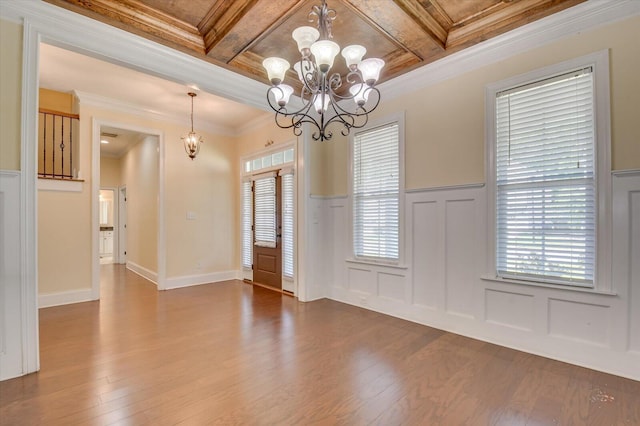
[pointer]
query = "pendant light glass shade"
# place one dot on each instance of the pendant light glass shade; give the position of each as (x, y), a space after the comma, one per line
(370, 69)
(353, 55)
(360, 93)
(276, 69)
(317, 103)
(324, 52)
(305, 37)
(282, 96)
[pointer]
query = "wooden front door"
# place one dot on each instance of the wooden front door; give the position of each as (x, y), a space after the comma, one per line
(267, 235)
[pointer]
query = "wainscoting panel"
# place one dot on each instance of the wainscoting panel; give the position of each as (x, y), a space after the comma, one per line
(443, 281)
(389, 284)
(509, 309)
(634, 288)
(11, 325)
(426, 238)
(460, 256)
(579, 321)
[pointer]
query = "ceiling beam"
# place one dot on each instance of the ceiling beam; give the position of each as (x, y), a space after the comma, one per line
(221, 19)
(135, 16)
(257, 23)
(428, 23)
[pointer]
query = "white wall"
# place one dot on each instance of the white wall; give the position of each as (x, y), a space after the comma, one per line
(440, 284)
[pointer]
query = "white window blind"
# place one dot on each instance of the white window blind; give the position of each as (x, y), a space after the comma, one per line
(376, 193)
(545, 180)
(247, 233)
(287, 224)
(265, 212)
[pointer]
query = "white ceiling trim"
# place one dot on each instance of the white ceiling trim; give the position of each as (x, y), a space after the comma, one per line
(584, 16)
(84, 35)
(143, 112)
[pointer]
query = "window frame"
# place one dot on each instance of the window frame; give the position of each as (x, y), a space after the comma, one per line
(399, 119)
(599, 61)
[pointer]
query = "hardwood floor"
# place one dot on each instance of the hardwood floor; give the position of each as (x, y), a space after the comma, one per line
(230, 353)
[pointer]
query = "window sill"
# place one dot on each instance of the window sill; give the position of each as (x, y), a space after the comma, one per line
(547, 285)
(377, 263)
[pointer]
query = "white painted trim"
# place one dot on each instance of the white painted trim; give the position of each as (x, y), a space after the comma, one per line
(143, 112)
(97, 123)
(445, 188)
(29, 201)
(210, 278)
(47, 300)
(60, 185)
(143, 272)
(585, 16)
(626, 173)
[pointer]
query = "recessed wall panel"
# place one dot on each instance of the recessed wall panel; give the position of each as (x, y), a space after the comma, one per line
(460, 256)
(391, 286)
(579, 321)
(634, 319)
(509, 309)
(362, 280)
(427, 283)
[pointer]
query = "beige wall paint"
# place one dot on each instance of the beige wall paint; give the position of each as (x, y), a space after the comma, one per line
(140, 175)
(10, 88)
(64, 241)
(56, 101)
(208, 186)
(444, 141)
(110, 172)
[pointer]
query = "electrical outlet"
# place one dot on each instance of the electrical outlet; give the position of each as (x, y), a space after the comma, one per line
(363, 300)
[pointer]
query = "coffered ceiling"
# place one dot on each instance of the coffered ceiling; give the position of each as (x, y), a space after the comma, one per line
(239, 34)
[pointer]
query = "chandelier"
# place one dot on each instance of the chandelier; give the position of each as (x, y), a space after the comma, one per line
(192, 141)
(327, 98)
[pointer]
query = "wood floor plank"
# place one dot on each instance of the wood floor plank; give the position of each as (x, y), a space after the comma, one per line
(231, 353)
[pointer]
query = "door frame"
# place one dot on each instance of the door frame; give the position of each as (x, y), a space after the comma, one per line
(297, 164)
(122, 230)
(97, 124)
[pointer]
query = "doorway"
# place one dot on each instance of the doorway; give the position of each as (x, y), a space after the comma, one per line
(108, 218)
(268, 218)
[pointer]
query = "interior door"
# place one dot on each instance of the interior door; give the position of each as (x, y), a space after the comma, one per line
(267, 235)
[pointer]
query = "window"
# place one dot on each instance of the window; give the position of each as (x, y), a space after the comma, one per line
(287, 223)
(376, 192)
(265, 211)
(247, 233)
(545, 180)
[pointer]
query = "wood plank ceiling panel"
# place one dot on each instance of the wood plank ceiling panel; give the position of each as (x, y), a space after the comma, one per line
(239, 34)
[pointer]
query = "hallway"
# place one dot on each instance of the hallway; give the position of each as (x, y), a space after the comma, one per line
(230, 353)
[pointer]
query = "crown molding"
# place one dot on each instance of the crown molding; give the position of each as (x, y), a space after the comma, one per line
(72, 31)
(99, 101)
(585, 16)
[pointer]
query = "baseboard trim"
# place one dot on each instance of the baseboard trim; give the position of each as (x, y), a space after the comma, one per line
(143, 272)
(48, 300)
(191, 280)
